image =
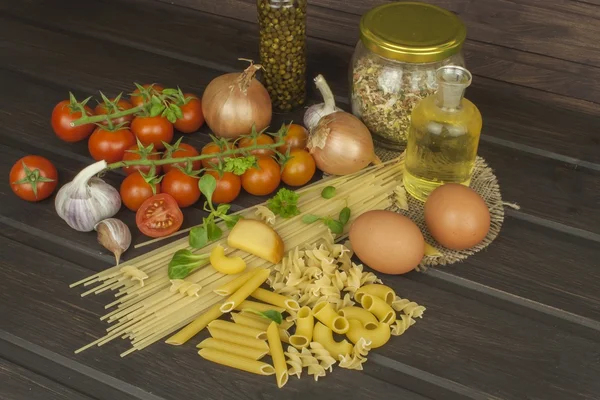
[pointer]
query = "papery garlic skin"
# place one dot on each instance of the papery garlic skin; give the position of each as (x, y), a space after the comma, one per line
(314, 113)
(116, 237)
(87, 200)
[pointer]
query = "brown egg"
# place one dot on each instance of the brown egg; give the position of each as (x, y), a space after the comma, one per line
(387, 242)
(456, 216)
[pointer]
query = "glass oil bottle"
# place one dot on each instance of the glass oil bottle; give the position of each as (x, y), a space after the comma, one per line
(443, 136)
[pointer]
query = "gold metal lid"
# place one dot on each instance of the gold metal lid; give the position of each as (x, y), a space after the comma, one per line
(412, 32)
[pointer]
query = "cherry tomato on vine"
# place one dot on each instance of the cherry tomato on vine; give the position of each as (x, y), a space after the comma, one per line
(33, 178)
(137, 97)
(228, 188)
(137, 188)
(159, 216)
(108, 145)
(180, 150)
(261, 139)
(295, 138)
(66, 112)
(119, 105)
(183, 187)
(155, 130)
(139, 152)
(192, 115)
(212, 148)
(264, 179)
(299, 169)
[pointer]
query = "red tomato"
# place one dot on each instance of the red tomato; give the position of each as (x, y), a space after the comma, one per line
(135, 189)
(137, 98)
(192, 115)
(262, 180)
(153, 130)
(62, 116)
(228, 187)
(33, 178)
(212, 148)
(135, 153)
(183, 187)
(299, 169)
(295, 138)
(122, 105)
(260, 139)
(182, 150)
(159, 216)
(110, 146)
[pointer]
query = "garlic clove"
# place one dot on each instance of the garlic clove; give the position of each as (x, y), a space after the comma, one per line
(114, 236)
(314, 113)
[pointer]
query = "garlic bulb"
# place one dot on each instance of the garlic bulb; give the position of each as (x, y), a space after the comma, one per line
(313, 115)
(114, 235)
(87, 200)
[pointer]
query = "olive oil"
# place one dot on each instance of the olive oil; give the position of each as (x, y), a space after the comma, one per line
(443, 136)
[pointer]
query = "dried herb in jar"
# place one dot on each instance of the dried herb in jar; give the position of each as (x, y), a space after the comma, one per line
(283, 51)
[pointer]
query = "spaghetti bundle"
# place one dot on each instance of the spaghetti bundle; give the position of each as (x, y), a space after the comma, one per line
(145, 313)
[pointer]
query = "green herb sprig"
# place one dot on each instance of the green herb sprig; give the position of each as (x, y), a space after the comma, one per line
(284, 203)
(272, 315)
(335, 225)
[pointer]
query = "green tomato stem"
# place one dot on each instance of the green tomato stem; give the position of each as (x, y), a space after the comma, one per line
(98, 118)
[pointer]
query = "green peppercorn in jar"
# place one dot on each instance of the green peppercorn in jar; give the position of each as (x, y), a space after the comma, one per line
(283, 51)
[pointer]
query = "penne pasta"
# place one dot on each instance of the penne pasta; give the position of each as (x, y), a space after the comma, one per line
(275, 299)
(242, 351)
(360, 314)
(377, 336)
(232, 327)
(245, 290)
(236, 338)
(324, 336)
(256, 306)
(384, 292)
(305, 324)
(325, 313)
(195, 326)
(237, 362)
(230, 287)
(258, 322)
(378, 307)
(276, 349)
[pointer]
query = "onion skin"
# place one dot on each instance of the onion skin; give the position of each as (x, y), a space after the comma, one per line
(233, 102)
(341, 144)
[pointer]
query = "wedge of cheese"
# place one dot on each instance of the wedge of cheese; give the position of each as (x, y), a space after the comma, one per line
(257, 238)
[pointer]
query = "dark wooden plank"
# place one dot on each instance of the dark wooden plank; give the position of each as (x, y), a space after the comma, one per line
(501, 347)
(19, 383)
(63, 323)
(562, 123)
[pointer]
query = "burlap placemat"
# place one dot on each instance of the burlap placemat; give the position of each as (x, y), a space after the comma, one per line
(483, 182)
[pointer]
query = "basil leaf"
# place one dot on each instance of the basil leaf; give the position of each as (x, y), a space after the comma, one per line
(328, 192)
(198, 237)
(310, 218)
(213, 232)
(344, 215)
(222, 209)
(207, 185)
(334, 226)
(184, 262)
(272, 315)
(231, 220)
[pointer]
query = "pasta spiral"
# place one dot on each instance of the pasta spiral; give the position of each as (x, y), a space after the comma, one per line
(400, 199)
(358, 357)
(133, 273)
(401, 325)
(294, 361)
(266, 215)
(322, 355)
(410, 308)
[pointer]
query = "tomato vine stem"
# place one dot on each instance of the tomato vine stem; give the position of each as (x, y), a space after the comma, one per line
(98, 118)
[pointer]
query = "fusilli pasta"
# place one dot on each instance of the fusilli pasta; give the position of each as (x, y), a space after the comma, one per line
(358, 357)
(401, 325)
(265, 215)
(294, 361)
(410, 308)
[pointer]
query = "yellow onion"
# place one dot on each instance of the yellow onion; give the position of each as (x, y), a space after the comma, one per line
(233, 102)
(341, 144)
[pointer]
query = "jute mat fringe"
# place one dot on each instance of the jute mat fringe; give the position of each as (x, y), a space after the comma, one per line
(483, 182)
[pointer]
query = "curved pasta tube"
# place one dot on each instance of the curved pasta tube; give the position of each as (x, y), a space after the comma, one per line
(377, 336)
(360, 314)
(276, 349)
(324, 335)
(384, 292)
(238, 362)
(244, 330)
(305, 324)
(325, 313)
(244, 351)
(226, 265)
(276, 299)
(382, 310)
(245, 290)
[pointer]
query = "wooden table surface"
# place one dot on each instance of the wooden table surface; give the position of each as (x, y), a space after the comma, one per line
(520, 320)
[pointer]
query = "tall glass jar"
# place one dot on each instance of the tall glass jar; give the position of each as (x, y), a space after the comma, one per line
(283, 51)
(394, 65)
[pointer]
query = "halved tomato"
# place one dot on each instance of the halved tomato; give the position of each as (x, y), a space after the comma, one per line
(159, 216)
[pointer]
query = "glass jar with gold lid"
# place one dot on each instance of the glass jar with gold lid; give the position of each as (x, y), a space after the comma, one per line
(394, 65)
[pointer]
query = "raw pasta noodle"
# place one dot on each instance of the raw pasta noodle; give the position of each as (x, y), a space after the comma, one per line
(265, 215)
(401, 325)
(236, 338)
(365, 317)
(400, 199)
(238, 362)
(256, 306)
(379, 308)
(325, 313)
(258, 322)
(277, 355)
(230, 287)
(384, 292)
(377, 336)
(410, 308)
(294, 361)
(196, 326)
(322, 355)
(184, 287)
(238, 329)
(275, 299)
(324, 335)
(358, 357)
(310, 362)
(243, 351)
(133, 273)
(304, 328)
(245, 290)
